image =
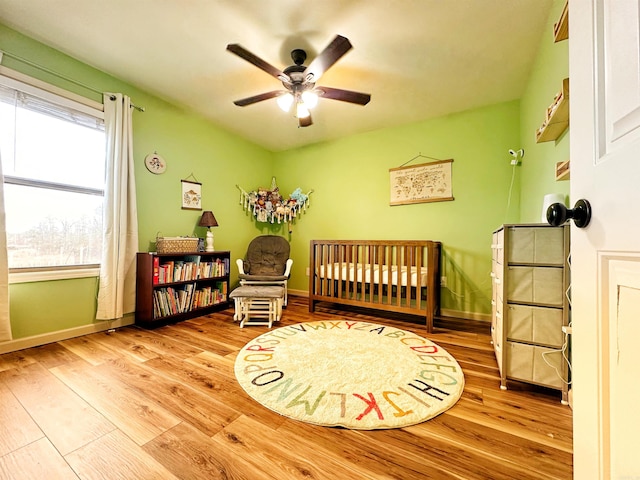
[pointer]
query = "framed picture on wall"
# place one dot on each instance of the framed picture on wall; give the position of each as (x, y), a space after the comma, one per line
(428, 182)
(191, 195)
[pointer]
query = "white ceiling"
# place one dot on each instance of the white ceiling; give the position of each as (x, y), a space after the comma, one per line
(418, 59)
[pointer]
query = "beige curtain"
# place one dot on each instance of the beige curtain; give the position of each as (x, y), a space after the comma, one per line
(5, 324)
(116, 293)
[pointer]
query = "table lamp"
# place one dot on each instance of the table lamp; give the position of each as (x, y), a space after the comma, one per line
(208, 220)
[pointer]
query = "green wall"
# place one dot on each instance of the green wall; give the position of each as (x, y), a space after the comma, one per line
(538, 166)
(350, 179)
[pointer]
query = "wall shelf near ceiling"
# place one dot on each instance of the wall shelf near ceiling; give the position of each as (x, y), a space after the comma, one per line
(561, 28)
(557, 117)
(563, 171)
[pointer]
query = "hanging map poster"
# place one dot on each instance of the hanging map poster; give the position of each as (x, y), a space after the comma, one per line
(427, 182)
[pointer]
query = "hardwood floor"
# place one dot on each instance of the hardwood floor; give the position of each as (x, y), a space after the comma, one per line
(164, 403)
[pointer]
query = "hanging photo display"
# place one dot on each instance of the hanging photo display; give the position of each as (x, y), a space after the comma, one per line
(191, 195)
(428, 182)
(268, 206)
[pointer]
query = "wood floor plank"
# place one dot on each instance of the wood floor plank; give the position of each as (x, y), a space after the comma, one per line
(193, 335)
(15, 359)
(363, 451)
(196, 456)
(436, 455)
(549, 435)
(68, 421)
(89, 349)
(51, 355)
(184, 402)
(137, 416)
(219, 344)
(17, 428)
(125, 344)
(35, 461)
(222, 389)
(116, 456)
(262, 447)
(221, 365)
(521, 454)
(157, 342)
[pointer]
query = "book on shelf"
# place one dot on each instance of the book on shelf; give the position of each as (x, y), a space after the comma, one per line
(222, 289)
(156, 270)
(169, 301)
(191, 267)
(178, 271)
(215, 268)
(207, 296)
(195, 259)
(166, 272)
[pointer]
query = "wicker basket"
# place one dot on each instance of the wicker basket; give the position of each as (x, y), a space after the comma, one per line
(177, 244)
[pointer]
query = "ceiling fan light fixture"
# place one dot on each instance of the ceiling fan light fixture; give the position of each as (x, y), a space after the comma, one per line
(310, 99)
(301, 110)
(299, 81)
(285, 101)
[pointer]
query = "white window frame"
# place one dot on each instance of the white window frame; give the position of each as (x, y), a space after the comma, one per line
(33, 86)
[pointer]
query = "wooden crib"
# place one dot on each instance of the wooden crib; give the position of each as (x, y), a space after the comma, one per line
(394, 275)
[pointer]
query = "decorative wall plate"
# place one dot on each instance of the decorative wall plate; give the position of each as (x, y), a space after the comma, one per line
(155, 163)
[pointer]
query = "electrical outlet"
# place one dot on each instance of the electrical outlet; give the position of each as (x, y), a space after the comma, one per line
(443, 281)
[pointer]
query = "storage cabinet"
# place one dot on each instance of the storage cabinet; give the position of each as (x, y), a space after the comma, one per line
(174, 287)
(530, 273)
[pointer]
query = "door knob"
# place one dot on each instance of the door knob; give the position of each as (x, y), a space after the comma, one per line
(557, 214)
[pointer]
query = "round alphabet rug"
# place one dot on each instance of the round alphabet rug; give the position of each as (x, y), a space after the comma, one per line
(350, 374)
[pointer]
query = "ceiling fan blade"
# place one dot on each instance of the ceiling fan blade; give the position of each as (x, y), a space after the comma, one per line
(257, 61)
(258, 98)
(344, 95)
(330, 55)
(305, 122)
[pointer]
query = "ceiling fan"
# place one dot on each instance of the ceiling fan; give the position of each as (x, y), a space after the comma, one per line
(299, 81)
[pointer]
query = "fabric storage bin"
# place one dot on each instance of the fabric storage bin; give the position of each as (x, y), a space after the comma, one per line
(496, 336)
(527, 363)
(542, 285)
(536, 245)
(535, 325)
(497, 247)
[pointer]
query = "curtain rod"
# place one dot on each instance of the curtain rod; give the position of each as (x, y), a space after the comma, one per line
(56, 74)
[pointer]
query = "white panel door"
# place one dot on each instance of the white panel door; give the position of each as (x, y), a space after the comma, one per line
(604, 61)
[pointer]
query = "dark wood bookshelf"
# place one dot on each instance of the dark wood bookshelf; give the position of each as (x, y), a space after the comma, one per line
(167, 299)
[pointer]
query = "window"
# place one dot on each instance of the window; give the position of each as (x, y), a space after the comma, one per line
(53, 161)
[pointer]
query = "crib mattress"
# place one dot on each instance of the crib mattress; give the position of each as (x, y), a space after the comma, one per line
(379, 274)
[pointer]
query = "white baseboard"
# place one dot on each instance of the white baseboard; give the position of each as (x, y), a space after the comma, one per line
(481, 317)
(445, 312)
(298, 293)
(51, 337)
